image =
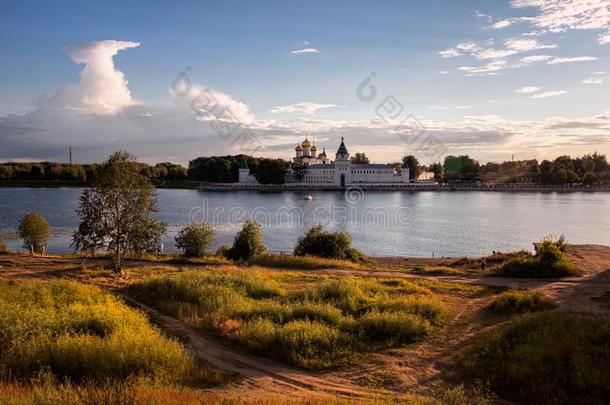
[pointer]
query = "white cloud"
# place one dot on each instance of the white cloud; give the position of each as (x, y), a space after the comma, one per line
(535, 58)
(558, 16)
(593, 80)
(571, 59)
(443, 72)
(492, 68)
(548, 94)
(600, 73)
(526, 45)
(528, 89)
(449, 53)
(304, 48)
(102, 89)
(501, 24)
(437, 107)
(306, 107)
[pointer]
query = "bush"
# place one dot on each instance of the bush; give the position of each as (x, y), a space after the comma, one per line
(3, 248)
(546, 358)
(195, 239)
(521, 301)
(392, 327)
(35, 232)
(248, 242)
(548, 262)
(331, 245)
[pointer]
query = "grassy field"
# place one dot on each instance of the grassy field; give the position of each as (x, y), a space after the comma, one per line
(545, 358)
(66, 331)
(310, 321)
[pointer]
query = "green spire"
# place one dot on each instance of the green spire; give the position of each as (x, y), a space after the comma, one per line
(342, 149)
(243, 164)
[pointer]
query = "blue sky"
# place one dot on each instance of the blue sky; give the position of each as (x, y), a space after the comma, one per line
(461, 69)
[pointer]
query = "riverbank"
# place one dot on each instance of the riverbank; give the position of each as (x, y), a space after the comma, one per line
(411, 187)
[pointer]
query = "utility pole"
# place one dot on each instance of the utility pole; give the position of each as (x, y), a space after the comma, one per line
(70, 153)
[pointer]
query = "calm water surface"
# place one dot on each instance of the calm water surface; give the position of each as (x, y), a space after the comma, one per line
(381, 224)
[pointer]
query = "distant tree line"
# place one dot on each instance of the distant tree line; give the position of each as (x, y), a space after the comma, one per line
(590, 169)
(82, 173)
(225, 169)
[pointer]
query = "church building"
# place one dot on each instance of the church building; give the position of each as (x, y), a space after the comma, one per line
(320, 170)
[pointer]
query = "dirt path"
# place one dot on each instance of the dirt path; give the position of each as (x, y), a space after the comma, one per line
(257, 372)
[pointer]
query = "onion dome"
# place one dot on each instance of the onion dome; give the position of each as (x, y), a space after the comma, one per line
(323, 154)
(313, 148)
(306, 143)
(298, 148)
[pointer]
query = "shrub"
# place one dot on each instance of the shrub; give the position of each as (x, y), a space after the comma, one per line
(248, 242)
(545, 358)
(3, 248)
(429, 308)
(195, 239)
(223, 251)
(309, 344)
(316, 312)
(549, 261)
(521, 301)
(35, 232)
(331, 245)
(392, 327)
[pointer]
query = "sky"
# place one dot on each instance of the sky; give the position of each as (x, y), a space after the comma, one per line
(172, 81)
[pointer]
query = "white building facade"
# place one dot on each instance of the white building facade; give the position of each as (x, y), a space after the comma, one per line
(319, 170)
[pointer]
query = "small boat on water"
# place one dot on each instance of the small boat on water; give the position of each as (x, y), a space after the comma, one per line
(308, 197)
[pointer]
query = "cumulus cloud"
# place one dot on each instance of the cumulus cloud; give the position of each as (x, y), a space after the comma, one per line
(528, 89)
(306, 107)
(548, 94)
(304, 48)
(102, 88)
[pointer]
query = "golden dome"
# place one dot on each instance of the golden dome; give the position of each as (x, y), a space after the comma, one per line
(306, 143)
(313, 148)
(298, 148)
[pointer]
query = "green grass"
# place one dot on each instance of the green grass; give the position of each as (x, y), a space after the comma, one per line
(303, 262)
(521, 301)
(435, 270)
(311, 322)
(546, 358)
(79, 332)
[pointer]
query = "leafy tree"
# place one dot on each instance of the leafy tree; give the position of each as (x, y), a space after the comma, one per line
(248, 242)
(117, 212)
(437, 169)
(332, 245)
(360, 158)
(3, 248)
(461, 168)
(589, 178)
(412, 163)
(195, 239)
(271, 171)
(546, 171)
(35, 232)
